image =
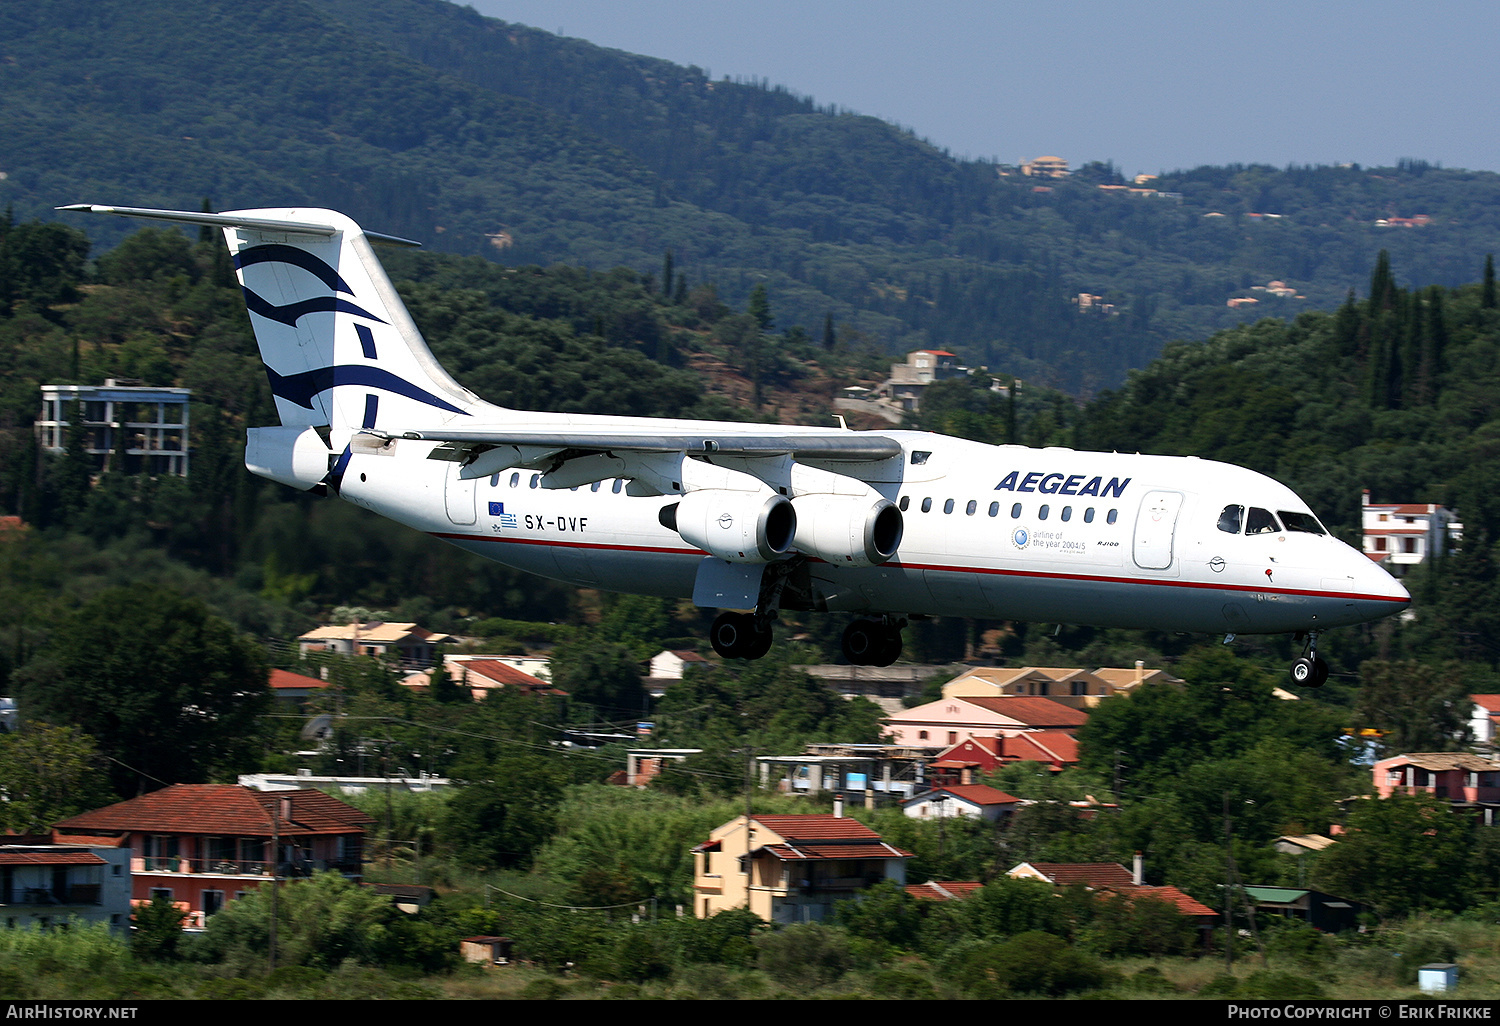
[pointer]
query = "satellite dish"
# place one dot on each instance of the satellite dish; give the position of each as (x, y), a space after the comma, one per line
(319, 728)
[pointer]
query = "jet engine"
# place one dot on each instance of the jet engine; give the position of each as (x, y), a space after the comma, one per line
(741, 527)
(295, 456)
(848, 530)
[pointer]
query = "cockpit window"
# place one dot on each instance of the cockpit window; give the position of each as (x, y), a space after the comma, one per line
(1304, 522)
(1232, 519)
(1261, 522)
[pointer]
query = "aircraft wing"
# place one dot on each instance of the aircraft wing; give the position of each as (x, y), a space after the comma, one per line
(826, 445)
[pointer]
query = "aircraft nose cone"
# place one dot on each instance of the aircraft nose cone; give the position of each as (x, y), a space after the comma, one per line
(1387, 595)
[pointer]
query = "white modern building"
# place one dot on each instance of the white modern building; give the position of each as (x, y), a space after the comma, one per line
(1399, 535)
(137, 429)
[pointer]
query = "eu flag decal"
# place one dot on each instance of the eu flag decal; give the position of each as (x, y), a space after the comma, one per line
(497, 509)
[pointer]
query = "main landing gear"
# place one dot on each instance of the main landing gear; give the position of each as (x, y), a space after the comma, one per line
(1310, 671)
(873, 642)
(740, 635)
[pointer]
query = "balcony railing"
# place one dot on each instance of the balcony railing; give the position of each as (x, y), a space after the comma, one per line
(73, 894)
(241, 867)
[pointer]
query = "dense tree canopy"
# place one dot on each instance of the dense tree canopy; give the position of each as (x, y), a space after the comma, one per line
(170, 691)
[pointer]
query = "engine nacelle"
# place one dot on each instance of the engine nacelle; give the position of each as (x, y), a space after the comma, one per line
(741, 527)
(295, 456)
(848, 530)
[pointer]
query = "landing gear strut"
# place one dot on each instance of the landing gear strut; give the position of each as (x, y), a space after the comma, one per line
(740, 635)
(873, 642)
(1310, 671)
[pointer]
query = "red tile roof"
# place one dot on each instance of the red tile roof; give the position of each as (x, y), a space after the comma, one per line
(818, 827)
(825, 836)
(283, 679)
(876, 849)
(1034, 712)
(50, 858)
(222, 809)
(499, 673)
(1040, 746)
(946, 890)
(1184, 903)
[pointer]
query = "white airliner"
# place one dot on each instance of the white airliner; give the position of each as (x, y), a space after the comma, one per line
(752, 519)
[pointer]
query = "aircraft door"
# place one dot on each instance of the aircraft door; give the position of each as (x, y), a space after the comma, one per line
(1154, 526)
(459, 497)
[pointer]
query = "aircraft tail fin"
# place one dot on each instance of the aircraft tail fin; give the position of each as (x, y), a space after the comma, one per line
(339, 347)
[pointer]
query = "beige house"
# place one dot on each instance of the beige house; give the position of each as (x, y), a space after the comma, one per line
(414, 647)
(790, 869)
(1072, 686)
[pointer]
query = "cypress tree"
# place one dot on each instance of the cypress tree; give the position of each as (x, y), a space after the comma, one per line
(1382, 284)
(760, 307)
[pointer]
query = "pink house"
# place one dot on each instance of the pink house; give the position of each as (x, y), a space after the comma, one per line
(1459, 777)
(950, 720)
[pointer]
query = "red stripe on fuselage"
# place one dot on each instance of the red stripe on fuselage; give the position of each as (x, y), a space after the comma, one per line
(1032, 574)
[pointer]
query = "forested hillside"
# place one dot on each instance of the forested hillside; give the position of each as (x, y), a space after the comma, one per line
(423, 119)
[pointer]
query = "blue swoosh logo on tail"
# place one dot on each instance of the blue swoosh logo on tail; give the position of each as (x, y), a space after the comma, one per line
(300, 388)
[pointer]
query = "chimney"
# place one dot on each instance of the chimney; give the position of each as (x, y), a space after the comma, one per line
(1140, 670)
(1138, 871)
(838, 806)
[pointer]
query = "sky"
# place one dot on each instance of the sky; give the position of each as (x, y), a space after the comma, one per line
(1151, 86)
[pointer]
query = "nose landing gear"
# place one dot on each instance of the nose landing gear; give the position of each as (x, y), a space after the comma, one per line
(1310, 671)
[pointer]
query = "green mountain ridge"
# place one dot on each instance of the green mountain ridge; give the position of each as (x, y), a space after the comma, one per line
(421, 118)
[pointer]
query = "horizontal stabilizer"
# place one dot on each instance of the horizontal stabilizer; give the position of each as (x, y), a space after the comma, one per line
(270, 224)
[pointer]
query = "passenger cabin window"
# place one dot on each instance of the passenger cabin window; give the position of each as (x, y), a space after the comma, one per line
(927, 505)
(1260, 521)
(1088, 515)
(905, 502)
(1015, 511)
(994, 509)
(1041, 514)
(1067, 513)
(515, 479)
(971, 507)
(948, 506)
(1232, 519)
